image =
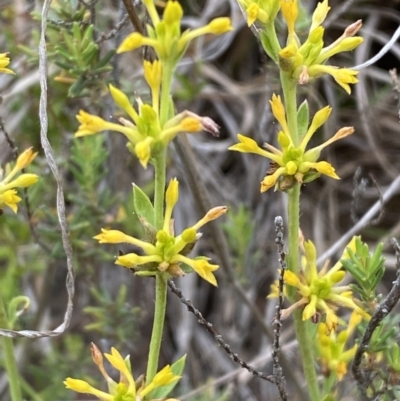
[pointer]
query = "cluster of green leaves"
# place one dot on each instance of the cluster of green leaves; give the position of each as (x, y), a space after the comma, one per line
(382, 362)
(72, 47)
(366, 269)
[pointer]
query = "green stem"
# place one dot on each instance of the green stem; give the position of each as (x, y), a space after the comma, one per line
(159, 192)
(289, 87)
(9, 357)
(302, 328)
(167, 74)
(159, 188)
(158, 326)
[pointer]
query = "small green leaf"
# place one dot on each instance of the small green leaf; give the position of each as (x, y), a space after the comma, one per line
(142, 205)
(177, 369)
(103, 62)
(303, 118)
(268, 45)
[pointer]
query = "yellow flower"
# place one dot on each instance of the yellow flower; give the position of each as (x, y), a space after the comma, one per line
(168, 251)
(333, 355)
(126, 388)
(343, 76)
(10, 199)
(163, 378)
(8, 193)
(4, 61)
(91, 124)
(318, 290)
(319, 14)
(293, 163)
(290, 11)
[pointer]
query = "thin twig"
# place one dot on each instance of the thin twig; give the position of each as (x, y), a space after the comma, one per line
(210, 328)
(277, 368)
(384, 309)
(112, 33)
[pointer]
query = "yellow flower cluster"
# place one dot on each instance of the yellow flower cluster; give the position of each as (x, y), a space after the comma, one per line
(333, 357)
(318, 290)
(146, 135)
(168, 251)
(303, 61)
(8, 193)
(291, 163)
(126, 389)
(165, 35)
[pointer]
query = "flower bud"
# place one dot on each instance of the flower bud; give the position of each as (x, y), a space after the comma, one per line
(215, 212)
(24, 180)
(25, 158)
(189, 235)
(220, 25)
(173, 12)
(352, 29)
(131, 42)
(172, 193)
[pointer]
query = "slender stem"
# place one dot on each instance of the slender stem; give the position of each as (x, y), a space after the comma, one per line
(302, 328)
(9, 357)
(167, 73)
(159, 189)
(289, 87)
(307, 355)
(158, 326)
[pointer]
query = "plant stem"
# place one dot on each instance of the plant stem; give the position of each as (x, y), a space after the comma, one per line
(289, 87)
(158, 326)
(159, 188)
(167, 73)
(9, 357)
(159, 192)
(302, 333)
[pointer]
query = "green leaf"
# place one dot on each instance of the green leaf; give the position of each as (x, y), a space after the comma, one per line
(303, 118)
(142, 205)
(103, 62)
(177, 369)
(268, 45)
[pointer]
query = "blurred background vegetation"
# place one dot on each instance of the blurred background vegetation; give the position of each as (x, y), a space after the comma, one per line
(229, 79)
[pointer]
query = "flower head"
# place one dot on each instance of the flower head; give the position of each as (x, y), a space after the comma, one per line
(293, 162)
(168, 252)
(8, 193)
(126, 388)
(144, 131)
(165, 36)
(319, 291)
(306, 61)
